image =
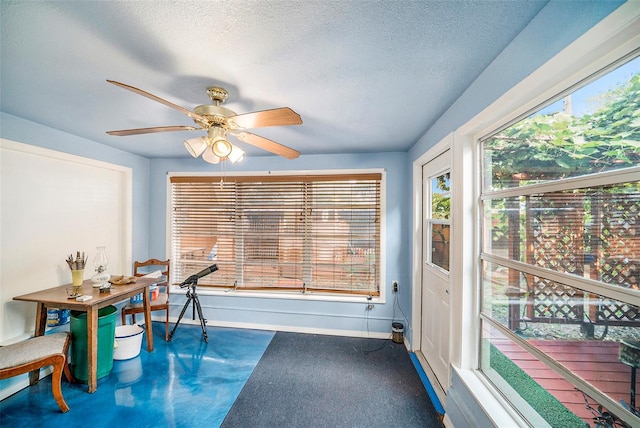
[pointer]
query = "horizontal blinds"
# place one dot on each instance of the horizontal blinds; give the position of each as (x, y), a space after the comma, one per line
(270, 235)
(344, 230)
(203, 228)
(279, 232)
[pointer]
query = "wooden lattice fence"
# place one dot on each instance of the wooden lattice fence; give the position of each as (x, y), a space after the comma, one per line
(618, 260)
(606, 248)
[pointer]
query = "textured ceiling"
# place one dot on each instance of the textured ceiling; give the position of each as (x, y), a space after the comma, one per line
(366, 76)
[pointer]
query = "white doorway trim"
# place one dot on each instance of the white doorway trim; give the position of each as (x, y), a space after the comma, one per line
(416, 282)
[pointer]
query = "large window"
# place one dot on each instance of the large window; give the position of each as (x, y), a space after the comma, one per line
(292, 232)
(560, 260)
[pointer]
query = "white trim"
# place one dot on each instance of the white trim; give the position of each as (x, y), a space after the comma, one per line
(279, 173)
(465, 241)
(41, 151)
(592, 286)
(606, 178)
(493, 404)
(283, 294)
(442, 147)
(416, 292)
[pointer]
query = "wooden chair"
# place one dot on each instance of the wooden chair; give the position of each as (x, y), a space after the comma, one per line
(34, 354)
(162, 301)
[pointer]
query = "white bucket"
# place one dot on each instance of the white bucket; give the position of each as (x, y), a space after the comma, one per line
(128, 341)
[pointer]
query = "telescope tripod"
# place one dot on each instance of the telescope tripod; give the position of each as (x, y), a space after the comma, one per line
(192, 297)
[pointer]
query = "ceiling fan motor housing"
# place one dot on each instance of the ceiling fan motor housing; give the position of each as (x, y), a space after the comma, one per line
(216, 115)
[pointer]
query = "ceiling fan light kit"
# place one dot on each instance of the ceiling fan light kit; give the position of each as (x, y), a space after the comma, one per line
(218, 121)
(196, 146)
(209, 156)
(236, 155)
(221, 147)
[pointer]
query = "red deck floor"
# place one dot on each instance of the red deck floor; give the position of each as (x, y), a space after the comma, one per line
(594, 361)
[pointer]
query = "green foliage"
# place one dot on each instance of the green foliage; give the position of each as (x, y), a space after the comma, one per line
(441, 206)
(441, 202)
(547, 147)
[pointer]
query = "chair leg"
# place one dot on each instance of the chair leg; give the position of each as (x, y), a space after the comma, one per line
(56, 383)
(68, 374)
(123, 315)
(166, 326)
(66, 370)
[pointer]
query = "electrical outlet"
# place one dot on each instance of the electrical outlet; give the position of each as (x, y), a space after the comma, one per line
(395, 286)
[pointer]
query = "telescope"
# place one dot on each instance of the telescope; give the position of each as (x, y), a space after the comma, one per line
(196, 276)
(192, 297)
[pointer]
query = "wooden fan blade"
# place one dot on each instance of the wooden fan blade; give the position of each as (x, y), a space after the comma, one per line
(124, 132)
(268, 145)
(189, 113)
(258, 119)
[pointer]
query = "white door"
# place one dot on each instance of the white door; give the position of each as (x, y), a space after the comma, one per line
(436, 225)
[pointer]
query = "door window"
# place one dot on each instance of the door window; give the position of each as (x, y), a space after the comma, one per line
(438, 221)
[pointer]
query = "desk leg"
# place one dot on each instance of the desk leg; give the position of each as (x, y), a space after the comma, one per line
(41, 319)
(41, 325)
(92, 348)
(147, 319)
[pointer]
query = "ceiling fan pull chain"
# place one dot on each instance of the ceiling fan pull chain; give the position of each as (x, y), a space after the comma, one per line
(222, 176)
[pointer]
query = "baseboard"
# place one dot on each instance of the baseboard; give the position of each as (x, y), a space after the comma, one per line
(18, 383)
(437, 387)
(287, 328)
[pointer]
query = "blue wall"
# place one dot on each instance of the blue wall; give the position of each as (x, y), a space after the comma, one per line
(303, 312)
(299, 313)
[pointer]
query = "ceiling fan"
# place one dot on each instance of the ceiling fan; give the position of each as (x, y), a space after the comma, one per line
(219, 121)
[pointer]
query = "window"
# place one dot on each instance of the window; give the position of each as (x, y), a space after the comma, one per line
(560, 259)
(287, 232)
(439, 221)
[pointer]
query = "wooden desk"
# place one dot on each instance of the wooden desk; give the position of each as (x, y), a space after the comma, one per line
(56, 297)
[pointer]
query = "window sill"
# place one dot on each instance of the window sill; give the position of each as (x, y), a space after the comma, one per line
(492, 405)
(284, 295)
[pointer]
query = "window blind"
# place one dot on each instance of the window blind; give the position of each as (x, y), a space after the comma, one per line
(312, 232)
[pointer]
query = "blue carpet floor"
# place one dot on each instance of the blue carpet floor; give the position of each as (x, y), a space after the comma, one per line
(308, 380)
(182, 383)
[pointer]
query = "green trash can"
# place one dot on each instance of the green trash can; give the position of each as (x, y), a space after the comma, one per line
(106, 339)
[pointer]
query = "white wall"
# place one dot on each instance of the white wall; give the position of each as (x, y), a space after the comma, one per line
(23, 131)
(52, 205)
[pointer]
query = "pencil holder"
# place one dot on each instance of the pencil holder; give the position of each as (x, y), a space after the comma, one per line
(77, 276)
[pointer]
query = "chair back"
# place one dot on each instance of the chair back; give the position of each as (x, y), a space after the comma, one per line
(152, 265)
